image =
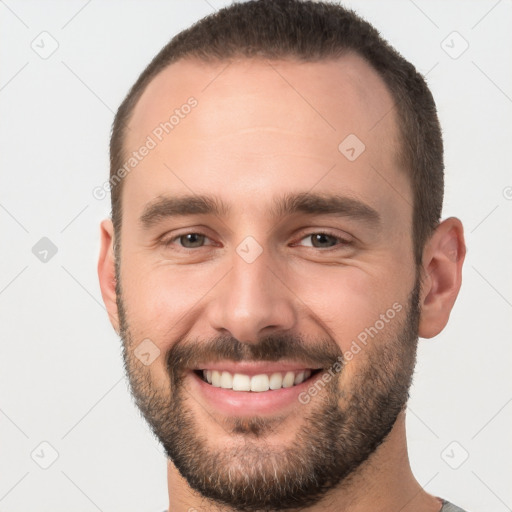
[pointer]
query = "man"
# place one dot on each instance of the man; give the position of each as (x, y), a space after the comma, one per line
(274, 252)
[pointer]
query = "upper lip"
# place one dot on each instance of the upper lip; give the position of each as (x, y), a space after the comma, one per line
(251, 368)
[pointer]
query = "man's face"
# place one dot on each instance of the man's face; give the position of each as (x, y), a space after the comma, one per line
(305, 287)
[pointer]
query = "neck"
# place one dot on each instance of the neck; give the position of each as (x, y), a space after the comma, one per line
(384, 482)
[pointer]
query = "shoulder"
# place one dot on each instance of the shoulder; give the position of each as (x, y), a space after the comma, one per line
(450, 507)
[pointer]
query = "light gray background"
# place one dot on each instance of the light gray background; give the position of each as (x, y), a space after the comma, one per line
(60, 362)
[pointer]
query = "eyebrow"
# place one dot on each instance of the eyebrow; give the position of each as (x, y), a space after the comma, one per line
(164, 207)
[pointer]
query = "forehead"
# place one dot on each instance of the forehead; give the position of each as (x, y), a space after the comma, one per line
(259, 124)
(332, 95)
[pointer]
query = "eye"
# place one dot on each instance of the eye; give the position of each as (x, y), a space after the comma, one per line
(187, 240)
(324, 240)
(317, 240)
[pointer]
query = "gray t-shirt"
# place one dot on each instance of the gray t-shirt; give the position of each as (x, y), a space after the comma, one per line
(447, 507)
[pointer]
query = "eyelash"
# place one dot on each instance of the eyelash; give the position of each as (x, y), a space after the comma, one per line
(342, 241)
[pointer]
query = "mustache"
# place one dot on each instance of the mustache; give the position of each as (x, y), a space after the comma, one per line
(186, 354)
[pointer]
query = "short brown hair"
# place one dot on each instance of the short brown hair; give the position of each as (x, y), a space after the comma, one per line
(309, 31)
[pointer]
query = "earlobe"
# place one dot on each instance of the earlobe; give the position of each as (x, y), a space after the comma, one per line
(443, 258)
(106, 272)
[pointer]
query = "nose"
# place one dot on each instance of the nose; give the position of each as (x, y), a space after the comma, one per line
(253, 300)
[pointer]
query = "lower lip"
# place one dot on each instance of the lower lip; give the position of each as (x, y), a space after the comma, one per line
(247, 403)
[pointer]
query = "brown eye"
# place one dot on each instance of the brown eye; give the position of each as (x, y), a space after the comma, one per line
(187, 241)
(321, 240)
(192, 240)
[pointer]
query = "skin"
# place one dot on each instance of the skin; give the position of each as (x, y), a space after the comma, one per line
(275, 127)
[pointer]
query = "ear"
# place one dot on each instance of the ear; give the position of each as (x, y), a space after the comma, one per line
(106, 272)
(443, 257)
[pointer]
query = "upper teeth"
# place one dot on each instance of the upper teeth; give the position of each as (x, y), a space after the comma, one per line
(262, 382)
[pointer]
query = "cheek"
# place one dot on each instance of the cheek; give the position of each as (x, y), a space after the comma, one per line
(157, 302)
(158, 299)
(352, 303)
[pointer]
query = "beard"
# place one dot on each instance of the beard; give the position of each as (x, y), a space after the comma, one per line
(337, 431)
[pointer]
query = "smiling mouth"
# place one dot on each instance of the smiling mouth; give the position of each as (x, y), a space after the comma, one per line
(255, 383)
